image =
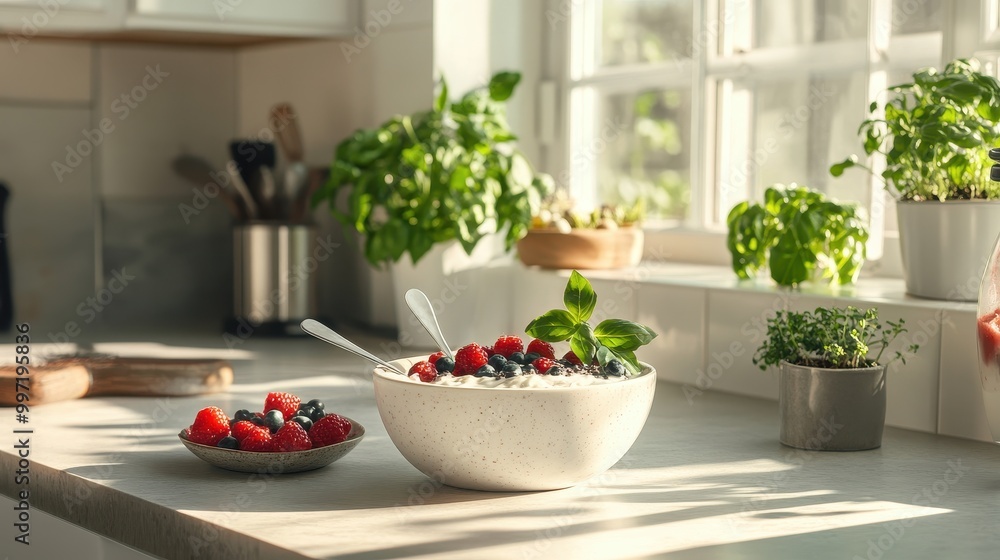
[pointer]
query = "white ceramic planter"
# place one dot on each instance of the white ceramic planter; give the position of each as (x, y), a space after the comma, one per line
(945, 246)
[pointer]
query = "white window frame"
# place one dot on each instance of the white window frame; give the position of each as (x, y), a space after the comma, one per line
(702, 237)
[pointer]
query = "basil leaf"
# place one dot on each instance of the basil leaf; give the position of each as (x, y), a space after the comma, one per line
(619, 334)
(583, 343)
(502, 85)
(556, 325)
(630, 361)
(579, 297)
(604, 355)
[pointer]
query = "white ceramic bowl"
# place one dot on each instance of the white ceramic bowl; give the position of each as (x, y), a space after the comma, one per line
(512, 439)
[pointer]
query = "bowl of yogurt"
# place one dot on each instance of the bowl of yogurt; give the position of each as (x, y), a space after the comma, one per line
(524, 433)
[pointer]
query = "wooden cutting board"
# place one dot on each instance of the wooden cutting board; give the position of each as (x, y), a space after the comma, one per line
(73, 378)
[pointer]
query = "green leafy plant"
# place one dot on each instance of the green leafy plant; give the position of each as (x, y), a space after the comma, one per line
(932, 132)
(798, 233)
(450, 173)
(611, 339)
(837, 338)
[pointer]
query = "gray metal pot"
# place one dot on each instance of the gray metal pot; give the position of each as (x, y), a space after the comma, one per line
(831, 409)
(944, 246)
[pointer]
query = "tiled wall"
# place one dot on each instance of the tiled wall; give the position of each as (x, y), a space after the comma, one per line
(117, 209)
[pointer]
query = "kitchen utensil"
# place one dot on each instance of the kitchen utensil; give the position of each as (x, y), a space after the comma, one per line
(271, 197)
(73, 378)
(242, 190)
(274, 286)
(326, 334)
(300, 207)
(6, 291)
(200, 173)
(279, 461)
(422, 309)
(284, 121)
(251, 156)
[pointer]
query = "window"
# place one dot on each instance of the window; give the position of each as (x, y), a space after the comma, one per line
(696, 106)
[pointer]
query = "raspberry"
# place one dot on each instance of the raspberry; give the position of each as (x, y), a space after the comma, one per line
(542, 348)
(242, 429)
(210, 426)
(507, 345)
(543, 364)
(329, 430)
(258, 440)
(292, 437)
(571, 358)
(489, 351)
(287, 403)
(425, 370)
(433, 358)
(469, 358)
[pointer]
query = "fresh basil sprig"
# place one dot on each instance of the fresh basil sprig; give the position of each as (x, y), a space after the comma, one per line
(612, 339)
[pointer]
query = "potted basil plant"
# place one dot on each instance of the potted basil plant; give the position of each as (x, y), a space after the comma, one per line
(435, 193)
(832, 382)
(799, 235)
(934, 133)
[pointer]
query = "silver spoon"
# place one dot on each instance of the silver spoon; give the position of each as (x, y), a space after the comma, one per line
(326, 334)
(422, 309)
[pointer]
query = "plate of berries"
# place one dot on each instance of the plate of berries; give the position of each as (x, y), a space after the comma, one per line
(286, 436)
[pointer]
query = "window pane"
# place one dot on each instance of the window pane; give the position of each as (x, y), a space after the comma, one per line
(916, 16)
(637, 31)
(646, 140)
(785, 23)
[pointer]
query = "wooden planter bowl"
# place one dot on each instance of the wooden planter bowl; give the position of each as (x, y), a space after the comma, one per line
(582, 248)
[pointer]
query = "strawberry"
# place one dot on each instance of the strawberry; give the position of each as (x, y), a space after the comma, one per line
(433, 358)
(571, 358)
(329, 430)
(426, 370)
(989, 336)
(210, 426)
(469, 358)
(543, 364)
(507, 345)
(542, 348)
(292, 437)
(286, 403)
(259, 440)
(242, 429)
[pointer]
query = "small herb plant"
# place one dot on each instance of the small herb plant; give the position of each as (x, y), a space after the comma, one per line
(837, 338)
(611, 339)
(933, 134)
(450, 173)
(799, 234)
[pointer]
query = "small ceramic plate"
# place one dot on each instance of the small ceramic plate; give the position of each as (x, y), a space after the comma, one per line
(276, 462)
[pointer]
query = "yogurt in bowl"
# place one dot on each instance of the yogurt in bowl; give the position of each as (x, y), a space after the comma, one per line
(525, 433)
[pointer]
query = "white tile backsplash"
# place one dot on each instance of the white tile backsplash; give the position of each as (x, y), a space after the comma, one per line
(677, 314)
(162, 101)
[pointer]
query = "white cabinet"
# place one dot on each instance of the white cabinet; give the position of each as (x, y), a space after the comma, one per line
(176, 18)
(292, 18)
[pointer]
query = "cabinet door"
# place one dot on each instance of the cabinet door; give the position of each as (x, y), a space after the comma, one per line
(293, 18)
(27, 18)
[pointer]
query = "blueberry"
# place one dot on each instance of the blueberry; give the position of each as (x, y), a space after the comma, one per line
(317, 414)
(486, 371)
(564, 363)
(615, 368)
(497, 361)
(228, 442)
(445, 364)
(306, 410)
(257, 420)
(317, 404)
(556, 370)
(531, 357)
(243, 414)
(529, 369)
(511, 369)
(274, 420)
(303, 421)
(517, 358)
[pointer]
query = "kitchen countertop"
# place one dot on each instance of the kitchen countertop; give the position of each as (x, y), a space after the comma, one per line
(706, 479)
